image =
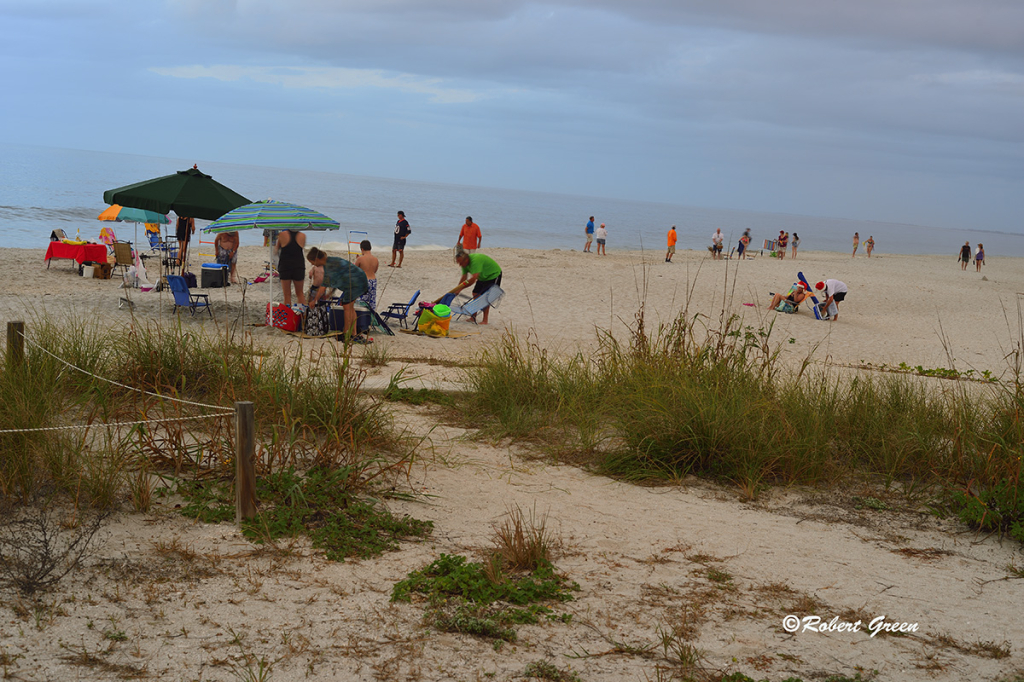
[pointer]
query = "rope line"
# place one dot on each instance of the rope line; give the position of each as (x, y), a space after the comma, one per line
(130, 388)
(99, 424)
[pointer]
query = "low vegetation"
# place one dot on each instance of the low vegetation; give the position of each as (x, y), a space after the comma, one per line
(715, 403)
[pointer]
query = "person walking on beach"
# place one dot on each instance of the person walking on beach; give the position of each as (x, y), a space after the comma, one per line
(290, 268)
(869, 245)
(856, 244)
(337, 273)
(602, 239)
(402, 232)
(783, 242)
(796, 243)
(479, 271)
(744, 243)
(716, 244)
(965, 255)
(979, 257)
(835, 292)
(671, 244)
(368, 263)
(589, 231)
(469, 236)
(226, 247)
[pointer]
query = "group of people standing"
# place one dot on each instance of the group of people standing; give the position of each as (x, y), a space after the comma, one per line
(869, 245)
(598, 233)
(965, 256)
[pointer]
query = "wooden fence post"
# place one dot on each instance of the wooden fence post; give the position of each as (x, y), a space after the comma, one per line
(15, 344)
(245, 454)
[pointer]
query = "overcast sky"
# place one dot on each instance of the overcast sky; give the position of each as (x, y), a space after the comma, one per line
(897, 110)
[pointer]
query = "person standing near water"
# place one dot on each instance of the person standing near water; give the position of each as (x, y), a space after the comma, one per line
(589, 231)
(470, 238)
(979, 257)
(869, 245)
(290, 266)
(402, 231)
(602, 238)
(796, 243)
(856, 244)
(671, 244)
(965, 255)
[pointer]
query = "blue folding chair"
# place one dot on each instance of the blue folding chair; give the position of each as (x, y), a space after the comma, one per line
(471, 308)
(183, 298)
(400, 311)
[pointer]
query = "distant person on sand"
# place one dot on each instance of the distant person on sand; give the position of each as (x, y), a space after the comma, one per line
(183, 230)
(368, 263)
(469, 236)
(965, 255)
(979, 257)
(744, 243)
(671, 244)
(337, 273)
(835, 292)
(869, 245)
(795, 296)
(856, 244)
(402, 232)
(602, 239)
(480, 271)
(716, 244)
(783, 242)
(796, 243)
(290, 268)
(589, 231)
(226, 246)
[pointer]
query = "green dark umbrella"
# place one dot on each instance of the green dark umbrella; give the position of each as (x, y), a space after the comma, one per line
(189, 193)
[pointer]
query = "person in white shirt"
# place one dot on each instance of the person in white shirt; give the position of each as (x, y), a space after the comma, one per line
(716, 243)
(835, 291)
(601, 234)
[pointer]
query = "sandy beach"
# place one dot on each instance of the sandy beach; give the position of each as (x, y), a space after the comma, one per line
(195, 601)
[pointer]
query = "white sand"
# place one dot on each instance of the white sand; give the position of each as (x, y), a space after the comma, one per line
(639, 554)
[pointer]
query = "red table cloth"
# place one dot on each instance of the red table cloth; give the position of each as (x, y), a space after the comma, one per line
(95, 253)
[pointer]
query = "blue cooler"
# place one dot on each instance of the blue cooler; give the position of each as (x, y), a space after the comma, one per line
(214, 275)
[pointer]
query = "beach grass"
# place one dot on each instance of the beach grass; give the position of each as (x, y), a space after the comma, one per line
(309, 410)
(686, 399)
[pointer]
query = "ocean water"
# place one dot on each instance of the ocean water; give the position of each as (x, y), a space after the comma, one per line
(44, 188)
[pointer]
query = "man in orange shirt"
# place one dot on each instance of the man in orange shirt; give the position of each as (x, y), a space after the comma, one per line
(671, 244)
(469, 236)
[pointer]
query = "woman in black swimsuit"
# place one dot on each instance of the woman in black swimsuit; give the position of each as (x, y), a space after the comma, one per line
(291, 266)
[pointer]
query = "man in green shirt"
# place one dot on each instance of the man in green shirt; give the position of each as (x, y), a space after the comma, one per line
(480, 271)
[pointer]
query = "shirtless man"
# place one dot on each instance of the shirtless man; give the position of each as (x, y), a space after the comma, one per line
(368, 263)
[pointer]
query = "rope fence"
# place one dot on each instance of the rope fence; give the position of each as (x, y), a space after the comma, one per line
(245, 442)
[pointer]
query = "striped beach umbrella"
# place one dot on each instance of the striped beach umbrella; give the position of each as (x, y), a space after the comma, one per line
(272, 215)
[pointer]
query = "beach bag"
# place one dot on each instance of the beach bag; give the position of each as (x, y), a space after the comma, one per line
(317, 321)
(786, 307)
(283, 317)
(435, 319)
(190, 280)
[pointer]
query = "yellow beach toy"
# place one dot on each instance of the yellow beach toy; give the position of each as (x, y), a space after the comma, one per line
(435, 319)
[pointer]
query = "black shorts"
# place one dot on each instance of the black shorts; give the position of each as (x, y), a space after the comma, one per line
(399, 244)
(842, 295)
(483, 285)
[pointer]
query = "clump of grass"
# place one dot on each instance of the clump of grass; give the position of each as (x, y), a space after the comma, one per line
(522, 541)
(327, 505)
(545, 670)
(689, 399)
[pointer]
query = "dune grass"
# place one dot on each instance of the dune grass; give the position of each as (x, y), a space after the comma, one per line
(309, 410)
(716, 403)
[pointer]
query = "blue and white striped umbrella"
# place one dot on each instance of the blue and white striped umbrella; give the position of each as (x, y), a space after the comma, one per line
(272, 215)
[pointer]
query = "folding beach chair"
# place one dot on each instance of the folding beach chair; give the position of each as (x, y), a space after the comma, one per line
(400, 311)
(488, 298)
(58, 235)
(123, 257)
(183, 298)
(814, 299)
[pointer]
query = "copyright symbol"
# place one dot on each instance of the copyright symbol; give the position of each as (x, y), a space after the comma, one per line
(791, 623)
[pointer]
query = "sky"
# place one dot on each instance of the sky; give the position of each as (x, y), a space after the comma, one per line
(894, 110)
